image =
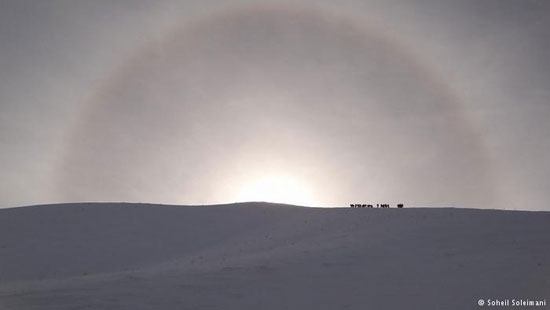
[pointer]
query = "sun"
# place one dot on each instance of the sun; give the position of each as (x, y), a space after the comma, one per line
(276, 188)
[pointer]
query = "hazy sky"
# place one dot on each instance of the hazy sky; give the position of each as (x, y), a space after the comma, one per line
(324, 103)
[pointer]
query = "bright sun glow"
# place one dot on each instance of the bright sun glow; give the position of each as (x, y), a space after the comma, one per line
(276, 188)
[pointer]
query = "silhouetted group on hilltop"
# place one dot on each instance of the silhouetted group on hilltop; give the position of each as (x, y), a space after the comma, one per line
(383, 205)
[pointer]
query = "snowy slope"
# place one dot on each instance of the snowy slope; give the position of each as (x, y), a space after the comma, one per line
(267, 256)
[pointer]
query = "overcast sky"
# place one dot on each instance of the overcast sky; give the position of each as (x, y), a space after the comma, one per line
(326, 103)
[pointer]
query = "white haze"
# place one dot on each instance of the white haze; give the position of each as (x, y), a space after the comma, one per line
(424, 102)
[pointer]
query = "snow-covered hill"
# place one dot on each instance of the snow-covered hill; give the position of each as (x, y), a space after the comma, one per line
(268, 256)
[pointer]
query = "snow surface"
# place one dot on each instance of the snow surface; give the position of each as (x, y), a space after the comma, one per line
(268, 256)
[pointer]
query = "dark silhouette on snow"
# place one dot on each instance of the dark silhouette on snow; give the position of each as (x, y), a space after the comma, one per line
(378, 205)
